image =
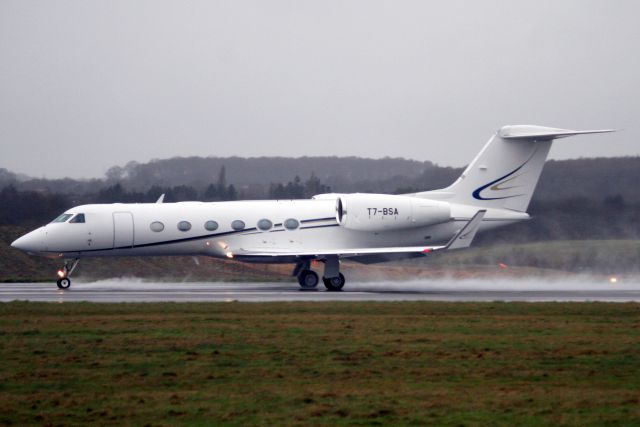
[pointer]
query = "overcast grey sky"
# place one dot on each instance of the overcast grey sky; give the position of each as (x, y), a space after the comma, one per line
(85, 85)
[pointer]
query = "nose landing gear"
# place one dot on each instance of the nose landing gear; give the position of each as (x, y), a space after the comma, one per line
(63, 283)
(64, 273)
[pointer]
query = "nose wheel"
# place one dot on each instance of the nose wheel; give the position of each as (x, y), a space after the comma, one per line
(63, 283)
(64, 280)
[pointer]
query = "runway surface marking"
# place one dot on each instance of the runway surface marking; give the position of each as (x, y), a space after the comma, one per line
(133, 290)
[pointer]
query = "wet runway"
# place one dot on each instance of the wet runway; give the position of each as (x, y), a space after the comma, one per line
(133, 290)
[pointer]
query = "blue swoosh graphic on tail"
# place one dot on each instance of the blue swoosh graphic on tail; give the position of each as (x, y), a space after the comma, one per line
(476, 193)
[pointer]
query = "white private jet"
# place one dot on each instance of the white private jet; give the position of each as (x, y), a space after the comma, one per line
(493, 191)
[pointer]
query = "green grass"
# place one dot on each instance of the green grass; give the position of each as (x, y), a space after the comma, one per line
(320, 364)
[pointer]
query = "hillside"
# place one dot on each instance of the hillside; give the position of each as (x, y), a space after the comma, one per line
(593, 179)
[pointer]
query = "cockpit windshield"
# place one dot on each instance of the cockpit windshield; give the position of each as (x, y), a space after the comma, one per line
(78, 219)
(62, 218)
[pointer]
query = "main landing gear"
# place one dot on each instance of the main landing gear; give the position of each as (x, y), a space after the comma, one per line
(64, 273)
(308, 279)
(332, 278)
(334, 284)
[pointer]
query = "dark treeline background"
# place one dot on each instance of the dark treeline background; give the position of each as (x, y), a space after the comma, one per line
(575, 199)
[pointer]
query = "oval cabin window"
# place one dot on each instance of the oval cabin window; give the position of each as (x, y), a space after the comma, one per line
(264, 224)
(291, 224)
(156, 226)
(238, 225)
(184, 226)
(211, 225)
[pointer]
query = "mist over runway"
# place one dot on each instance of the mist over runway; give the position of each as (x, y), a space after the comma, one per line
(135, 290)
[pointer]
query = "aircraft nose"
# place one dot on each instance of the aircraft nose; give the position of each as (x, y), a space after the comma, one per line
(30, 242)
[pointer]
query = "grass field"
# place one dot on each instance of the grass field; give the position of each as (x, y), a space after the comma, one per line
(320, 364)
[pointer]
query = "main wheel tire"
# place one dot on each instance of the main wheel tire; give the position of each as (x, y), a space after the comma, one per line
(308, 279)
(334, 284)
(64, 283)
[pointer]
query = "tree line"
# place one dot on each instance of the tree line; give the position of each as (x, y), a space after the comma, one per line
(29, 207)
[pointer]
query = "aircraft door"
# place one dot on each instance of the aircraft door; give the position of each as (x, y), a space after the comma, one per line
(122, 229)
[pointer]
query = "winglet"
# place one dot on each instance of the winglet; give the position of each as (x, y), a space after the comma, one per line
(464, 237)
(160, 199)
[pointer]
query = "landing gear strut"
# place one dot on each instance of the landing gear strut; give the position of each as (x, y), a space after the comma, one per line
(64, 273)
(333, 280)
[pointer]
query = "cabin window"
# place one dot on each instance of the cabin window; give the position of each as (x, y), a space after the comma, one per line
(184, 226)
(62, 218)
(78, 219)
(291, 224)
(264, 224)
(238, 225)
(211, 225)
(156, 226)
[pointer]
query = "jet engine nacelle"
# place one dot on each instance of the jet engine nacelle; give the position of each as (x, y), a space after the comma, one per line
(381, 212)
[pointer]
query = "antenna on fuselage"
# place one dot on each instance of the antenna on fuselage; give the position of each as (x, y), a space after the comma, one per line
(160, 199)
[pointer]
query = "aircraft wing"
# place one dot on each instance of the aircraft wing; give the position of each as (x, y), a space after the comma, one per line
(344, 252)
(461, 239)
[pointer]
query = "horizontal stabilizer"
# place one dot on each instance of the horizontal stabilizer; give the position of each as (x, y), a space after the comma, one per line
(541, 133)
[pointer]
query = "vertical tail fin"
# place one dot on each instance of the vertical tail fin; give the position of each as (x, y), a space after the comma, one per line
(506, 171)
